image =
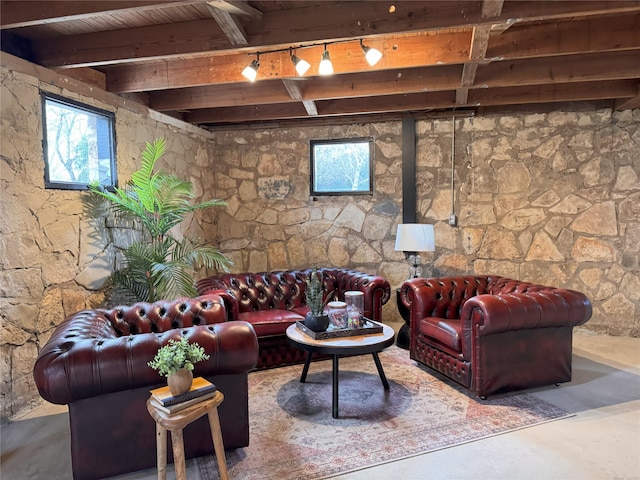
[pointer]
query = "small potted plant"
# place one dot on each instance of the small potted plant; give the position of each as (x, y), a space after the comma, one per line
(316, 319)
(176, 362)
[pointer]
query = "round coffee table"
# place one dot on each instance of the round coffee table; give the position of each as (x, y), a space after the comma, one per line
(355, 345)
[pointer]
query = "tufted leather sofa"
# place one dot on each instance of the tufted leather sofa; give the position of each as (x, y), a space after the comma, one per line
(493, 334)
(271, 301)
(96, 362)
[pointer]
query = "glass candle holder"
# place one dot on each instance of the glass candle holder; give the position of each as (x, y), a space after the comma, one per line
(337, 312)
(355, 308)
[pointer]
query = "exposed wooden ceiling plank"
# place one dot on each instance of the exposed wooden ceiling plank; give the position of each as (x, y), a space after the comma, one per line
(592, 35)
(565, 92)
(570, 68)
(16, 14)
(418, 102)
(313, 24)
(565, 38)
(399, 53)
(231, 28)
(579, 68)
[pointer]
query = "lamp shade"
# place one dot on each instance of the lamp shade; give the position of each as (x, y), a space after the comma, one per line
(415, 237)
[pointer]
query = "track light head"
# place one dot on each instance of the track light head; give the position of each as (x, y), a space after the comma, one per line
(372, 55)
(326, 67)
(251, 71)
(300, 64)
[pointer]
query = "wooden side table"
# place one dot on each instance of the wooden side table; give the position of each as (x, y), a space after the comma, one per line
(175, 422)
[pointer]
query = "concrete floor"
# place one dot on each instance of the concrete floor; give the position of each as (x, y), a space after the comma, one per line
(602, 440)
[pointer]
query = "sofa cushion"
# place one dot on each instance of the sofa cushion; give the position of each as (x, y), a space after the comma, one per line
(444, 331)
(270, 322)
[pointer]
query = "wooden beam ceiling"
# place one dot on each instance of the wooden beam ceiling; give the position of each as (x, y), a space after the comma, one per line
(185, 58)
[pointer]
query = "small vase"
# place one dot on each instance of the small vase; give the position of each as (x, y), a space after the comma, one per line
(317, 323)
(180, 382)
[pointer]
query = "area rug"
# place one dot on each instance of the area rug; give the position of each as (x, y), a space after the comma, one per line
(294, 436)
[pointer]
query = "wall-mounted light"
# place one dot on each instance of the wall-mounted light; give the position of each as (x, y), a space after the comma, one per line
(251, 71)
(326, 67)
(300, 64)
(372, 55)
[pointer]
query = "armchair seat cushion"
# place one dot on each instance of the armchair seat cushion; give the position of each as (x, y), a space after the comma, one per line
(270, 322)
(444, 331)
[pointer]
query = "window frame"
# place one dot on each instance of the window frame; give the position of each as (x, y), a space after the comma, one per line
(108, 115)
(313, 161)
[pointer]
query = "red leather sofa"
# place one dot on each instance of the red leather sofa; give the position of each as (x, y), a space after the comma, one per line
(271, 301)
(493, 334)
(96, 363)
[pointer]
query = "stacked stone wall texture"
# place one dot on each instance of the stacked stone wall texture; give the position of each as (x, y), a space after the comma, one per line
(548, 197)
(54, 257)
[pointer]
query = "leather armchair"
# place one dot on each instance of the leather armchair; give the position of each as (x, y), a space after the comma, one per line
(493, 334)
(96, 362)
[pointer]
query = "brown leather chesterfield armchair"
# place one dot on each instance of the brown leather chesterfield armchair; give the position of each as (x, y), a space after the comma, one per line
(493, 334)
(96, 362)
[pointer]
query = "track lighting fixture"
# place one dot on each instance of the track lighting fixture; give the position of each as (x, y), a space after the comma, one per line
(251, 71)
(300, 64)
(326, 67)
(372, 55)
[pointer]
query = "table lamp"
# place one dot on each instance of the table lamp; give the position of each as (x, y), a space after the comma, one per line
(412, 238)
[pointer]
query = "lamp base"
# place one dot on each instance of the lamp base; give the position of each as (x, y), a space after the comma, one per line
(415, 268)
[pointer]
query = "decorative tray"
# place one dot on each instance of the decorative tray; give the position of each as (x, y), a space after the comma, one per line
(369, 328)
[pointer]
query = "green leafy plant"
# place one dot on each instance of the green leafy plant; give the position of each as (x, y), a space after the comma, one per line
(159, 266)
(177, 354)
(315, 290)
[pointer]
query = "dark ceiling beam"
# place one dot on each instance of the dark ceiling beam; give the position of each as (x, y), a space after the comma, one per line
(420, 102)
(538, 71)
(15, 14)
(588, 36)
(399, 53)
(313, 24)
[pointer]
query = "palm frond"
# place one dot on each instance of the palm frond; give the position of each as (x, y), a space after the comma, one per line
(143, 180)
(171, 280)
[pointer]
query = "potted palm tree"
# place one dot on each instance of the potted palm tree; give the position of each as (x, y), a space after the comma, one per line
(159, 266)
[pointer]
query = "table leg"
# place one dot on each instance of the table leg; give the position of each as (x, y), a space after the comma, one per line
(179, 462)
(334, 407)
(383, 377)
(161, 446)
(216, 435)
(305, 369)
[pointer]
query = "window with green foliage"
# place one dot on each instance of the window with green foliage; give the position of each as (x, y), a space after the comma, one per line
(342, 167)
(79, 144)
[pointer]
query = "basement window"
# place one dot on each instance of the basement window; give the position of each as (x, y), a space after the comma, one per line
(342, 167)
(79, 144)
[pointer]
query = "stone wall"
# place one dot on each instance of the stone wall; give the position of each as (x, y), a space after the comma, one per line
(54, 258)
(552, 198)
(546, 197)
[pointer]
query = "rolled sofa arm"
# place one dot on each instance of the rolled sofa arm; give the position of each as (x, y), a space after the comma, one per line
(86, 356)
(376, 290)
(550, 307)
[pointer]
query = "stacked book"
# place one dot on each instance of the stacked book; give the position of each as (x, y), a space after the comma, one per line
(165, 401)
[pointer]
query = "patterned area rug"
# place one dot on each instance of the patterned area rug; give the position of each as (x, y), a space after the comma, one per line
(293, 435)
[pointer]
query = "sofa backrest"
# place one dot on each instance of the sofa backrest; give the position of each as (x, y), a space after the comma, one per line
(503, 286)
(284, 290)
(166, 315)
